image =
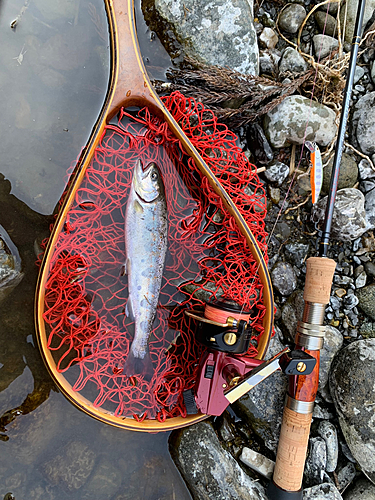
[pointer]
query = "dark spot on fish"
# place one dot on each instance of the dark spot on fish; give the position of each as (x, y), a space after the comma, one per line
(139, 287)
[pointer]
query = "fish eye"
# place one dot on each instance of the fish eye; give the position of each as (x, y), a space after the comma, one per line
(154, 176)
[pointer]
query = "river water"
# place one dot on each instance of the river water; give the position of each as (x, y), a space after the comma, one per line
(54, 71)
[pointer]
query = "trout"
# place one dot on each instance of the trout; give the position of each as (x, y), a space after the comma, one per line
(146, 245)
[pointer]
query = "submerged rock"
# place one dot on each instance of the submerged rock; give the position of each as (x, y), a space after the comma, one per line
(10, 265)
(353, 392)
(287, 122)
(220, 32)
(210, 471)
(349, 217)
(70, 467)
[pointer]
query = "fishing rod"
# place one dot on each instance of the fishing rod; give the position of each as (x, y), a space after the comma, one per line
(299, 403)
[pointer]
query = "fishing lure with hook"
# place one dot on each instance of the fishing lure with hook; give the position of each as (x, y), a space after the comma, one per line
(316, 172)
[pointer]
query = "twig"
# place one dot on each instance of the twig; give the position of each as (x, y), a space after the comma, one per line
(361, 154)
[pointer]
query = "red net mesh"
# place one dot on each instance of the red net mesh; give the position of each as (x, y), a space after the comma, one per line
(86, 291)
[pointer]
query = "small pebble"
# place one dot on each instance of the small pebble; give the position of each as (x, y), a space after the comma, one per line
(328, 432)
(340, 292)
(360, 282)
(258, 462)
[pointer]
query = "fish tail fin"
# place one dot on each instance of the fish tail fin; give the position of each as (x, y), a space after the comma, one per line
(138, 366)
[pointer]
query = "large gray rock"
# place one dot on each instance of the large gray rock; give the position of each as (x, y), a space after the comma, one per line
(366, 300)
(349, 217)
(219, 32)
(287, 122)
(353, 392)
(210, 471)
(325, 491)
(364, 123)
(351, 14)
(362, 490)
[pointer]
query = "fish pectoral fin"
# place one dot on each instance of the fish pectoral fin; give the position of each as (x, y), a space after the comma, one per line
(129, 310)
(126, 267)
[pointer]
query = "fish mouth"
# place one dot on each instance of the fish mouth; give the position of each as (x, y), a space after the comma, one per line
(139, 186)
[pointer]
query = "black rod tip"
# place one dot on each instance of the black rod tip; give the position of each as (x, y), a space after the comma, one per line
(276, 493)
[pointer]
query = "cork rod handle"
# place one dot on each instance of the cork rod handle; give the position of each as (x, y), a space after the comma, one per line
(295, 428)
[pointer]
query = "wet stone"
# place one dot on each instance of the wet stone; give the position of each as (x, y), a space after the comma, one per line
(363, 489)
(33, 433)
(316, 462)
(277, 172)
(325, 491)
(258, 144)
(349, 217)
(327, 431)
(333, 341)
(346, 475)
(297, 253)
(211, 472)
(284, 278)
(71, 468)
(366, 300)
(352, 387)
(291, 18)
(10, 265)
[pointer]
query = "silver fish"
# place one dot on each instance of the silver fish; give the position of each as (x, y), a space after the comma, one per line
(146, 232)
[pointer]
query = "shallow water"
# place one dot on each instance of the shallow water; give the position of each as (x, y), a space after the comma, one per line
(54, 69)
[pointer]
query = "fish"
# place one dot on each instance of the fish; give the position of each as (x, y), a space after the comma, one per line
(146, 241)
(316, 174)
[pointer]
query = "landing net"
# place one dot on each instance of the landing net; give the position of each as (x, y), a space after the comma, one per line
(86, 291)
